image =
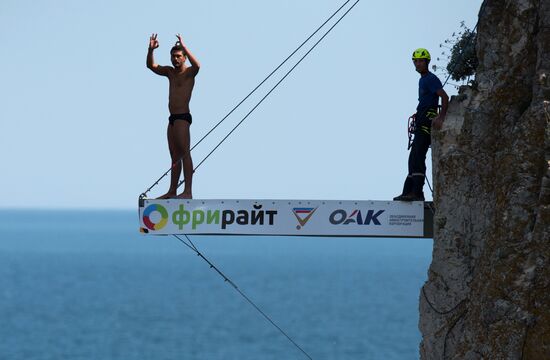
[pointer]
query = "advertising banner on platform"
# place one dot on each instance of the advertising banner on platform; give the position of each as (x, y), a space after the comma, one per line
(282, 217)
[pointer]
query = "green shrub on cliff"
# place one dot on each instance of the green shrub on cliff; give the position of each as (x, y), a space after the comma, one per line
(462, 60)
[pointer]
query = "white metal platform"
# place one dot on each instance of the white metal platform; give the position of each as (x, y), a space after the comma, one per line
(286, 217)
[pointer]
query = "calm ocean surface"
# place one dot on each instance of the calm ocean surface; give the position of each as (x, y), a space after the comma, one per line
(87, 285)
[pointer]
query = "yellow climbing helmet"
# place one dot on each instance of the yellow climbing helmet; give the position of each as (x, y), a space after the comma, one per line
(421, 53)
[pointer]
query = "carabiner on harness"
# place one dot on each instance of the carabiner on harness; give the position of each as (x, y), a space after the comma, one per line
(411, 128)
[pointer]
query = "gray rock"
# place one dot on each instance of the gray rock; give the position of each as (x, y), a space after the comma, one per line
(488, 290)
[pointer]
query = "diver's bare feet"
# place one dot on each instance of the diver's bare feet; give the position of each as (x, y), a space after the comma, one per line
(168, 195)
(184, 195)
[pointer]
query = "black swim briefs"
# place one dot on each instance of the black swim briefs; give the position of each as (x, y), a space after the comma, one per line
(173, 117)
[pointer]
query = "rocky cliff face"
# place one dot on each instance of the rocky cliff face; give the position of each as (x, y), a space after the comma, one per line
(488, 289)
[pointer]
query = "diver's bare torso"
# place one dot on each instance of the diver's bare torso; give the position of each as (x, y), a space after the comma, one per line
(181, 88)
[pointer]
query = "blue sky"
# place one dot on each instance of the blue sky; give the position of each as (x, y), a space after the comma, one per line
(83, 121)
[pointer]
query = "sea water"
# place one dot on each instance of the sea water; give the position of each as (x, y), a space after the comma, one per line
(80, 284)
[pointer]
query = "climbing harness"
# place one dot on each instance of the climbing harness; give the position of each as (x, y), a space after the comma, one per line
(412, 126)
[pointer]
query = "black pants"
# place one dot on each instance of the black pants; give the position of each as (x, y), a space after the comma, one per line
(414, 182)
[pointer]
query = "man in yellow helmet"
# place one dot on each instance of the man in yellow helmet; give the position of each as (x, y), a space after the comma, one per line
(430, 90)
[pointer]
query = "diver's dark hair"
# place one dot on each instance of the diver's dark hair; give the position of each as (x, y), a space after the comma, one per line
(177, 47)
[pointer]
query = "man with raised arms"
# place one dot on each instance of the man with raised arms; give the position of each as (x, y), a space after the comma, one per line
(182, 79)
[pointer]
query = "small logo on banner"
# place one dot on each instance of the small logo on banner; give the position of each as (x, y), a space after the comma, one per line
(303, 215)
(340, 216)
(149, 210)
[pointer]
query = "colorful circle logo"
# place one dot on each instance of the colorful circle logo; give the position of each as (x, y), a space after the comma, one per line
(147, 216)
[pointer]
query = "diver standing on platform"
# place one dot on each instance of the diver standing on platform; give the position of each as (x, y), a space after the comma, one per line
(182, 80)
(430, 90)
